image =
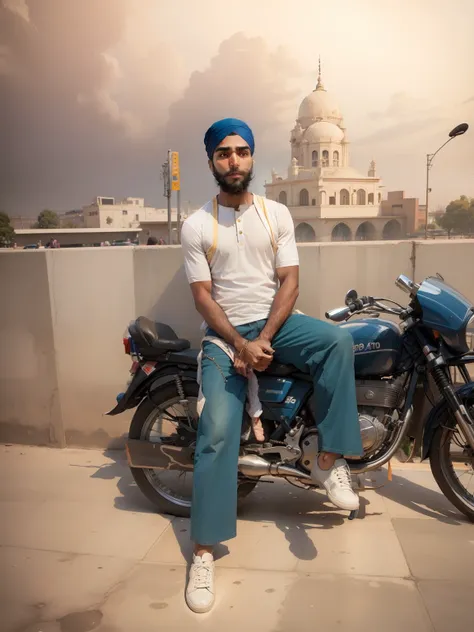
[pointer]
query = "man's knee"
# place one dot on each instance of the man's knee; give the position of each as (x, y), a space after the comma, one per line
(338, 340)
(342, 338)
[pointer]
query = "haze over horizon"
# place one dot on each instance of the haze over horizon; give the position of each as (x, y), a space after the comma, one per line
(94, 93)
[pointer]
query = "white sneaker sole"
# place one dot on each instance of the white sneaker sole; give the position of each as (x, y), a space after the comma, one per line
(200, 609)
(341, 505)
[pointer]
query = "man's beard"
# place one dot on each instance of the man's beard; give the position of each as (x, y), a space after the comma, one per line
(233, 188)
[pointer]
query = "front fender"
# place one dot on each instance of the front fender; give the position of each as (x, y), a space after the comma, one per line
(142, 384)
(439, 413)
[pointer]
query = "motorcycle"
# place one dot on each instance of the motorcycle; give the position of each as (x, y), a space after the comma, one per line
(397, 368)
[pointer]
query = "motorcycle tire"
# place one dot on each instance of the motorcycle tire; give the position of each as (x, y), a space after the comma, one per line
(453, 490)
(165, 505)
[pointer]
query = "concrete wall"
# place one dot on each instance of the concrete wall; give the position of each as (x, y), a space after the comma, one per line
(63, 314)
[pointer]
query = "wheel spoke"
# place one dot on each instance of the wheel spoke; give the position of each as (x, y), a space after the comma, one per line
(458, 464)
(174, 486)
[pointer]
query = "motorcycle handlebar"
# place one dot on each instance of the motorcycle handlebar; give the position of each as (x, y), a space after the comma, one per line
(341, 313)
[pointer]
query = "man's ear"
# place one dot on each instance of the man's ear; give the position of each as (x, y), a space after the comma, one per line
(210, 164)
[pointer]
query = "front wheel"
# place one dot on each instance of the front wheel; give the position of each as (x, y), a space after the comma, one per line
(452, 464)
(165, 418)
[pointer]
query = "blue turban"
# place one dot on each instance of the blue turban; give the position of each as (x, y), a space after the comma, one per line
(223, 128)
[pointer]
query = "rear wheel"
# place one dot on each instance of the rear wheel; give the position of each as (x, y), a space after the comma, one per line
(452, 464)
(165, 418)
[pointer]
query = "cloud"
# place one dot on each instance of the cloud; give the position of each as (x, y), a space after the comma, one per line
(95, 91)
(405, 132)
(246, 79)
(19, 7)
(403, 106)
(83, 105)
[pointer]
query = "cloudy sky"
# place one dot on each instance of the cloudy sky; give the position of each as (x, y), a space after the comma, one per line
(94, 92)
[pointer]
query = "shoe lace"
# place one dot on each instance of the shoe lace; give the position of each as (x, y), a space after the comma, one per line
(343, 475)
(202, 576)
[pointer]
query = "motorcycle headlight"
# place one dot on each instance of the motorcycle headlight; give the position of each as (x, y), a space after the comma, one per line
(470, 333)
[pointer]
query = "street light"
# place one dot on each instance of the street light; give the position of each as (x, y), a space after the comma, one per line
(459, 130)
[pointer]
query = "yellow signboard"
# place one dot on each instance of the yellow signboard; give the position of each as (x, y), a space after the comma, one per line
(175, 181)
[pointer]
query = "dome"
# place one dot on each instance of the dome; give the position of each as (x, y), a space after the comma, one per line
(319, 106)
(323, 131)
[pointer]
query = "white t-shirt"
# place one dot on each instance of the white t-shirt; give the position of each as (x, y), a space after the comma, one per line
(243, 268)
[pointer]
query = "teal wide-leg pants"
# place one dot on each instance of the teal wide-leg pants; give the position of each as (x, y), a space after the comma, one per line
(313, 346)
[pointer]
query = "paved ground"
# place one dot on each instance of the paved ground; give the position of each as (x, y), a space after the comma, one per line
(82, 550)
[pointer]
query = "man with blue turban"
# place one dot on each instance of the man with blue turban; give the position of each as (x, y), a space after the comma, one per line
(242, 264)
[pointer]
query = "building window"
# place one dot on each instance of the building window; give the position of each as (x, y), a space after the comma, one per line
(124, 212)
(314, 160)
(313, 202)
(332, 200)
(137, 217)
(282, 198)
(304, 197)
(335, 159)
(371, 198)
(380, 197)
(361, 197)
(325, 158)
(344, 197)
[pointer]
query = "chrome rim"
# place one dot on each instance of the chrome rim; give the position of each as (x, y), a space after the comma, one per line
(457, 464)
(174, 486)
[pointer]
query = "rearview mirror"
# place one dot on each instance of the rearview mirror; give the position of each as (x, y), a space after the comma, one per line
(351, 296)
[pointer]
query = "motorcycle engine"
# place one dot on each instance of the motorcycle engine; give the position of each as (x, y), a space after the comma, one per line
(373, 433)
(377, 401)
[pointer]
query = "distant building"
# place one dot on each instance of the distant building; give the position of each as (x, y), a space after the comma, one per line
(329, 199)
(71, 219)
(397, 204)
(22, 222)
(67, 219)
(107, 212)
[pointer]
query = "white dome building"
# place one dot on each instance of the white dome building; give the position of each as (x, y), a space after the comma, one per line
(328, 199)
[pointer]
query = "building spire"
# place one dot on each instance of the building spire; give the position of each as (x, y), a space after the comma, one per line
(319, 85)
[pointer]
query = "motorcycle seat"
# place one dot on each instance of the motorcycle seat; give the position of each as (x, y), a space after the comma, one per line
(280, 370)
(154, 338)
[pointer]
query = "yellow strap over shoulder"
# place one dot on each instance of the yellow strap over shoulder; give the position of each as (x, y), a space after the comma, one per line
(215, 217)
(261, 201)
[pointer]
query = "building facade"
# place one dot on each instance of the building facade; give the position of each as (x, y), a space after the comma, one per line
(328, 198)
(107, 212)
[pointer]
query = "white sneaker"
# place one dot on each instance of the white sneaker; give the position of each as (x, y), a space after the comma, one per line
(200, 589)
(338, 484)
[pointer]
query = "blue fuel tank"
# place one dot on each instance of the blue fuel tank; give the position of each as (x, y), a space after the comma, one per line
(377, 346)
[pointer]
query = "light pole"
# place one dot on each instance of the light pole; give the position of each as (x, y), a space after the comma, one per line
(459, 130)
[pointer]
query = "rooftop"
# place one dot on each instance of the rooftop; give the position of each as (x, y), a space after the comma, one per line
(83, 549)
(73, 231)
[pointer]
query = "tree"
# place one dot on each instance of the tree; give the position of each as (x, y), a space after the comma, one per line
(7, 234)
(109, 220)
(459, 216)
(47, 219)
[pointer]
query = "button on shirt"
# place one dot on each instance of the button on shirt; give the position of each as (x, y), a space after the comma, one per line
(243, 268)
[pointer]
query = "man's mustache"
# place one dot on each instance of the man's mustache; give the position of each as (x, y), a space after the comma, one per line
(235, 172)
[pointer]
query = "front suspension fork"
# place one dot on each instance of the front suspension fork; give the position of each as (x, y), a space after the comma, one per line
(459, 410)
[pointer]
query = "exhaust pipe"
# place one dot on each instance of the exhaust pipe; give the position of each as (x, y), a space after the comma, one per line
(252, 465)
(160, 456)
